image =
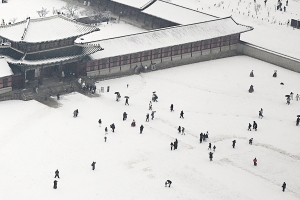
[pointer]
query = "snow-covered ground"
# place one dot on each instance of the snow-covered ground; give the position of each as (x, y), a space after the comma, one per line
(270, 31)
(35, 140)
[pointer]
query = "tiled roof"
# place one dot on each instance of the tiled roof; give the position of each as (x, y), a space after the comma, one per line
(4, 68)
(176, 13)
(53, 56)
(139, 4)
(165, 37)
(45, 29)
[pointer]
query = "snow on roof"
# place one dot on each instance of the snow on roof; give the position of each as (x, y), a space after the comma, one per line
(176, 13)
(140, 4)
(45, 29)
(165, 37)
(42, 59)
(5, 70)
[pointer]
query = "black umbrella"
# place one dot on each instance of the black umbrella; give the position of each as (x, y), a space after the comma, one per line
(153, 92)
(298, 115)
(287, 95)
(117, 93)
(127, 97)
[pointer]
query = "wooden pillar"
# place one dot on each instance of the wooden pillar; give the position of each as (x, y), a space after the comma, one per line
(41, 77)
(60, 72)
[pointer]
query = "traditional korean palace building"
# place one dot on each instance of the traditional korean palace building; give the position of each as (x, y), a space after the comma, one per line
(44, 47)
(165, 47)
(58, 46)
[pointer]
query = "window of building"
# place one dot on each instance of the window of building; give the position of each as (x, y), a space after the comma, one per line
(155, 53)
(5, 82)
(166, 51)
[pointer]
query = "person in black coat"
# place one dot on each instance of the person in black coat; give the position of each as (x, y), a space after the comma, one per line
(55, 184)
(297, 121)
(209, 146)
(152, 115)
(275, 74)
(179, 129)
(105, 138)
(172, 146)
(93, 165)
(181, 114)
(283, 186)
(141, 129)
(124, 116)
(147, 117)
(171, 108)
(233, 143)
(214, 148)
(56, 174)
(126, 102)
(260, 115)
(182, 131)
(100, 122)
(249, 127)
(106, 131)
(250, 141)
(175, 144)
(112, 126)
(254, 126)
(210, 156)
(251, 74)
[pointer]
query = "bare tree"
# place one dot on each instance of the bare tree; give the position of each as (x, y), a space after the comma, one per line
(56, 11)
(70, 10)
(257, 7)
(43, 12)
(13, 20)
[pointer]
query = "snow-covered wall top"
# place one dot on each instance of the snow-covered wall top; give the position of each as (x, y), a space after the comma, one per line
(5, 70)
(165, 37)
(176, 13)
(140, 4)
(44, 29)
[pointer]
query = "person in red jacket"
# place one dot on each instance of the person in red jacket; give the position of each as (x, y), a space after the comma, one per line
(255, 161)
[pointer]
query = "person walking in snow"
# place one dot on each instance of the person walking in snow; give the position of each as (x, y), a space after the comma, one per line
(126, 102)
(56, 174)
(105, 130)
(249, 127)
(254, 126)
(255, 162)
(181, 114)
(150, 105)
(147, 117)
(124, 116)
(171, 108)
(250, 141)
(112, 126)
(93, 165)
(168, 182)
(105, 138)
(152, 115)
(175, 144)
(260, 115)
(182, 131)
(55, 184)
(179, 129)
(141, 129)
(172, 146)
(209, 146)
(214, 148)
(297, 97)
(210, 155)
(100, 122)
(283, 186)
(275, 74)
(233, 143)
(288, 100)
(291, 95)
(251, 74)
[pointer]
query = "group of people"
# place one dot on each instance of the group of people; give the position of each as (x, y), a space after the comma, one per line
(254, 126)
(203, 136)
(181, 130)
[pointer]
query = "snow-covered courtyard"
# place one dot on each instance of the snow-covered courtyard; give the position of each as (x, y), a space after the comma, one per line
(36, 140)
